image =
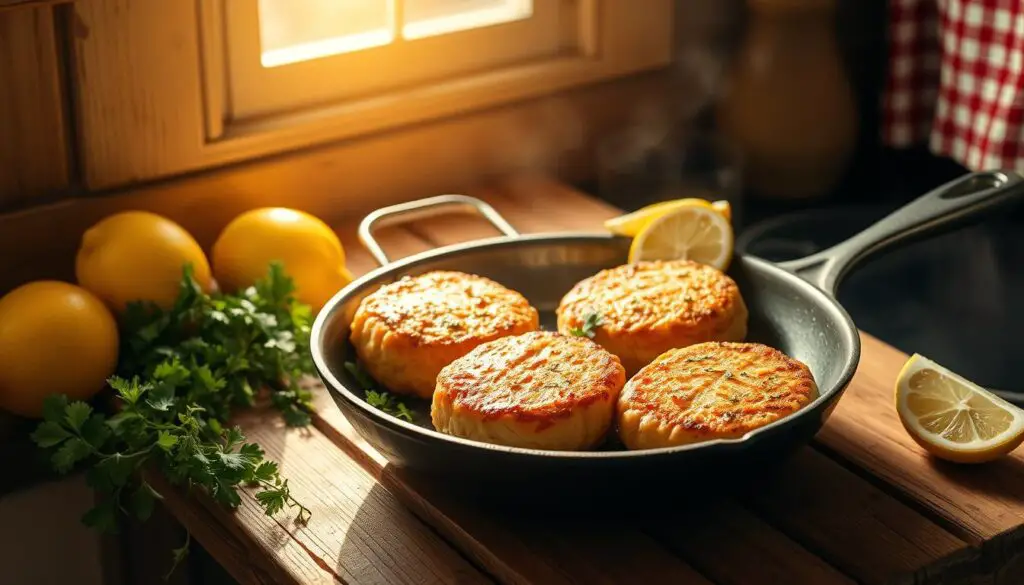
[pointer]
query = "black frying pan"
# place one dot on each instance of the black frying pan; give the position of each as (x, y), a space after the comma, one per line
(792, 307)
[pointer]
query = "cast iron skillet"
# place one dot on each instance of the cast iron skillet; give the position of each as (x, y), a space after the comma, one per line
(792, 307)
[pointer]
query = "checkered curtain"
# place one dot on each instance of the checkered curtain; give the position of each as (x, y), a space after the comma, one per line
(956, 80)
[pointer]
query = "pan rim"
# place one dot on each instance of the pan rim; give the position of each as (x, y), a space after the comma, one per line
(338, 388)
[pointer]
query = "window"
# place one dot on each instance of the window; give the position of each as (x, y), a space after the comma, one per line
(285, 55)
(192, 85)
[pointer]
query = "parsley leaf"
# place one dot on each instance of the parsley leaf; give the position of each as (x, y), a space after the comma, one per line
(378, 399)
(592, 321)
(76, 414)
(72, 451)
(50, 434)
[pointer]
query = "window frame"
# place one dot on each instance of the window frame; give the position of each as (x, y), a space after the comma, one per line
(150, 92)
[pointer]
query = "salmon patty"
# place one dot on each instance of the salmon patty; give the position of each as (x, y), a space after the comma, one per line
(406, 331)
(540, 390)
(647, 308)
(710, 391)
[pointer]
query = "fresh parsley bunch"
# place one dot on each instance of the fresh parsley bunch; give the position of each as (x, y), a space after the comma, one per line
(180, 374)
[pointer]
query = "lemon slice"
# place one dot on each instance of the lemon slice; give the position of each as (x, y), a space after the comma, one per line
(688, 232)
(953, 418)
(631, 224)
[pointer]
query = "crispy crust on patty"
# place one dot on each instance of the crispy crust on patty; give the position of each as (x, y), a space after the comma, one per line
(406, 331)
(710, 391)
(538, 390)
(648, 308)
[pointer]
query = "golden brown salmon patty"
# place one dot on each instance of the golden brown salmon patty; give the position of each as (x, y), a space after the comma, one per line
(650, 307)
(406, 331)
(539, 390)
(713, 390)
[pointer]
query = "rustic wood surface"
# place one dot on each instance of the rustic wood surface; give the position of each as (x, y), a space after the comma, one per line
(861, 504)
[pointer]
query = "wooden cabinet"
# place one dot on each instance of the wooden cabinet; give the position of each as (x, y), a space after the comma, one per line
(107, 94)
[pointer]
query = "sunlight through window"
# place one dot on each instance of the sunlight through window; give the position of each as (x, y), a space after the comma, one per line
(299, 30)
(292, 31)
(424, 18)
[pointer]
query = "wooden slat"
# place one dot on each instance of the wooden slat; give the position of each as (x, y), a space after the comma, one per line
(728, 532)
(854, 525)
(982, 504)
(33, 156)
(359, 533)
(552, 551)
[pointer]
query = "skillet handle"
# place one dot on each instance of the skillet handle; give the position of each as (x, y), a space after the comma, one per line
(938, 210)
(421, 209)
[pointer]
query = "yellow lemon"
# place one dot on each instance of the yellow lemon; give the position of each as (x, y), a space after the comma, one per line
(631, 224)
(55, 338)
(687, 232)
(308, 250)
(954, 418)
(138, 256)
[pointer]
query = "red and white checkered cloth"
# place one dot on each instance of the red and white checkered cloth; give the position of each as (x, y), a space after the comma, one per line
(956, 80)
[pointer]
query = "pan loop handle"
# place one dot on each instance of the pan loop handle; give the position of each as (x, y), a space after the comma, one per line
(938, 210)
(422, 209)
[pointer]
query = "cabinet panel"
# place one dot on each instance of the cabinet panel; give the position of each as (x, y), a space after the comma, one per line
(137, 85)
(33, 141)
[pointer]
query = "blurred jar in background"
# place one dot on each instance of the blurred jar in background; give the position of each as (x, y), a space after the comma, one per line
(787, 102)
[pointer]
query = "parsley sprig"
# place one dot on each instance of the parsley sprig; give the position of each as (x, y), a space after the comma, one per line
(180, 375)
(379, 399)
(592, 321)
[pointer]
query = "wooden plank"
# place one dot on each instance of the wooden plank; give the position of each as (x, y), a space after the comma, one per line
(982, 504)
(728, 532)
(33, 156)
(857, 527)
(343, 542)
(242, 556)
(554, 551)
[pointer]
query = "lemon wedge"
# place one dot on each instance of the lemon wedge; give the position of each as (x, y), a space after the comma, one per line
(692, 231)
(953, 418)
(630, 224)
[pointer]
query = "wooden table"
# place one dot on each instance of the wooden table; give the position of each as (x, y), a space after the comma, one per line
(862, 504)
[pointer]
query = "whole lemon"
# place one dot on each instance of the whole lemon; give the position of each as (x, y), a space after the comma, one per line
(138, 256)
(307, 249)
(55, 338)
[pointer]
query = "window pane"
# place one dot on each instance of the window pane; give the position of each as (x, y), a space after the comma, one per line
(299, 30)
(424, 18)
